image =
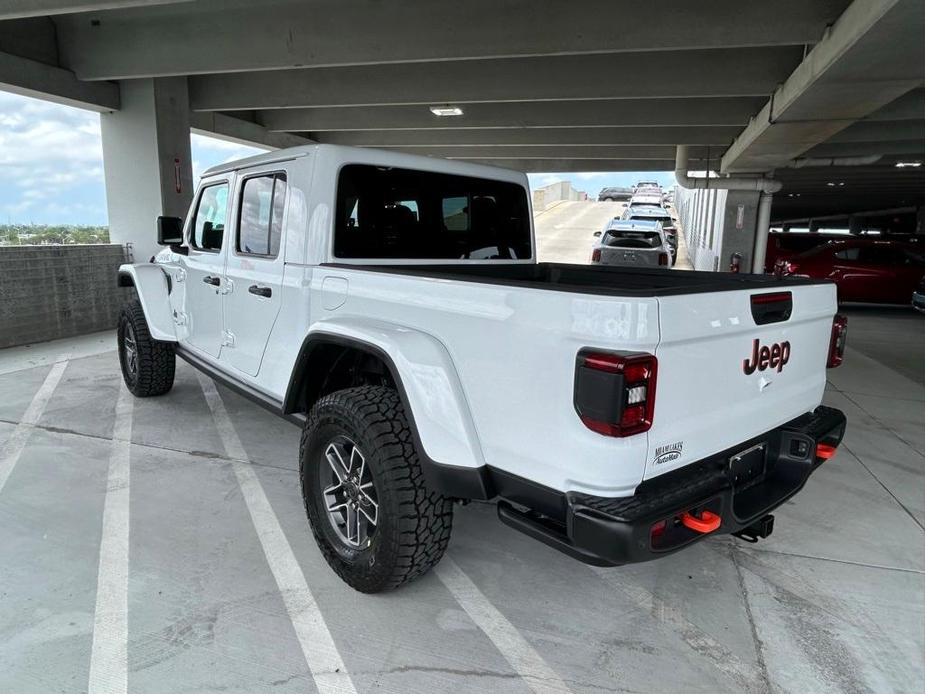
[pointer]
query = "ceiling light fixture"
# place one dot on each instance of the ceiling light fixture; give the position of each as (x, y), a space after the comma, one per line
(909, 164)
(446, 110)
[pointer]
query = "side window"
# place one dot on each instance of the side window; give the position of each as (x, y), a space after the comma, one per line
(263, 201)
(879, 255)
(456, 213)
(847, 253)
(209, 224)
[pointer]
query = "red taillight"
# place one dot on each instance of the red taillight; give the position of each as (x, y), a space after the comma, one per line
(596, 255)
(662, 258)
(838, 341)
(615, 393)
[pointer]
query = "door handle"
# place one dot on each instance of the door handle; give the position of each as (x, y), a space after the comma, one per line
(260, 291)
(214, 281)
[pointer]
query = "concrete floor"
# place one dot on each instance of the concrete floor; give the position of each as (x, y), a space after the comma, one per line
(834, 601)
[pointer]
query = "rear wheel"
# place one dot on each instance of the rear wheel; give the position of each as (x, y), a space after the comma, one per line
(373, 516)
(148, 365)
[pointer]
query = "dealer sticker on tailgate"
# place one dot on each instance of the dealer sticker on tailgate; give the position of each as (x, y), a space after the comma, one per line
(668, 453)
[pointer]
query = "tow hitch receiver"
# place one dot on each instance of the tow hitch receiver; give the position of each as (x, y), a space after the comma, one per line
(758, 530)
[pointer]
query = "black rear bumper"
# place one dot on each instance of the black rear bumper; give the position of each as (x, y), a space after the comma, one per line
(647, 525)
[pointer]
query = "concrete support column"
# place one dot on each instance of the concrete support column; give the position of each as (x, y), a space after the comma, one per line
(855, 224)
(737, 232)
(146, 160)
(762, 227)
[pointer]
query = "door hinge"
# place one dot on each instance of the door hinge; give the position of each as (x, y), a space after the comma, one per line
(227, 338)
(179, 318)
(181, 275)
(227, 286)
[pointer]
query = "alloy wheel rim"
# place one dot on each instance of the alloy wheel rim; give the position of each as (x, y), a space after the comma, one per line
(130, 349)
(349, 493)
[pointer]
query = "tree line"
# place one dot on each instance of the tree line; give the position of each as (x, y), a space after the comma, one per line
(45, 234)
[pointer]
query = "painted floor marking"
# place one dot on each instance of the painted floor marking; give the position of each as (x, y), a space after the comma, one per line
(10, 453)
(317, 644)
(537, 674)
(109, 655)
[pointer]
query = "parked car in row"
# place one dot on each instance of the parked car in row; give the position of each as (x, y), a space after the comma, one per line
(657, 214)
(864, 270)
(632, 244)
(646, 199)
(918, 296)
(784, 245)
(614, 193)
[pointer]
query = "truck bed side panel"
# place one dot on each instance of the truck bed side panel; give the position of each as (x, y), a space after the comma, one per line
(514, 349)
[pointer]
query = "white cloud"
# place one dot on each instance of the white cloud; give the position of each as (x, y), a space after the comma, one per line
(51, 161)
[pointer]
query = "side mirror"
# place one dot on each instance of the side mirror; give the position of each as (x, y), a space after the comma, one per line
(169, 231)
(598, 233)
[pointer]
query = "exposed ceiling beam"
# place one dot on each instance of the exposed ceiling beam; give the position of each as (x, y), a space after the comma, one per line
(717, 136)
(17, 9)
(35, 79)
(244, 132)
(873, 131)
(637, 153)
(720, 72)
(873, 54)
(909, 106)
(589, 165)
(852, 149)
(524, 114)
(208, 36)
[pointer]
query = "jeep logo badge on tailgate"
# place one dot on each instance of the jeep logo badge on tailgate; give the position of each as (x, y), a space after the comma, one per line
(774, 356)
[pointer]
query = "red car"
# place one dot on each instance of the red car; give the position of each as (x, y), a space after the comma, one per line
(880, 272)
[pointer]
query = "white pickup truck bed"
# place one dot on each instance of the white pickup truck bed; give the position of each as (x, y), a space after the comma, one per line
(514, 347)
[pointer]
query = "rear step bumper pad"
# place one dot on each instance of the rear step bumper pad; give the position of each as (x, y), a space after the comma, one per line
(656, 521)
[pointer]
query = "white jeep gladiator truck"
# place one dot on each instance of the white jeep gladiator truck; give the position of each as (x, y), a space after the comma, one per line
(393, 307)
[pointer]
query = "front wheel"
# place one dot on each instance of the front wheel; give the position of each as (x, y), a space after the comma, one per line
(373, 516)
(148, 365)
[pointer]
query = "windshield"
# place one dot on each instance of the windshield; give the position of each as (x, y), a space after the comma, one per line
(402, 213)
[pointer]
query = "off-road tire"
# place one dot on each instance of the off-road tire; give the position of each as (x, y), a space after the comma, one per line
(414, 521)
(156, 361)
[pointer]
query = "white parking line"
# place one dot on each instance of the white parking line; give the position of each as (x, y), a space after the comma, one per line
(10, 453)
(537, 674)
(318, 646)
(109, 655)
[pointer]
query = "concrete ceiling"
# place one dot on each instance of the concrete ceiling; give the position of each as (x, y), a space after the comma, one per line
(604, 85)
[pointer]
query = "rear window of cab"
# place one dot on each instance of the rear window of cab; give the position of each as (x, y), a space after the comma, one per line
(403, 213)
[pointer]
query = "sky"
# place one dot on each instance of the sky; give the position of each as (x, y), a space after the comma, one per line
(51, 164)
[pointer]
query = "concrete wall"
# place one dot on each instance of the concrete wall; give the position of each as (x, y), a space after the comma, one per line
(47, 292)
(715, 227)
(554, 192)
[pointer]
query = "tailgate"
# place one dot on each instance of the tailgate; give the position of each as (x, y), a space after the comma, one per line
(712, 391)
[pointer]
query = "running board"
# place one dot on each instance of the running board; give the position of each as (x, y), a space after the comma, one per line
(546, 531)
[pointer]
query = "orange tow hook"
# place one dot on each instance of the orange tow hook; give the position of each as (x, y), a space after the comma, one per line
(707, 523)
